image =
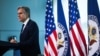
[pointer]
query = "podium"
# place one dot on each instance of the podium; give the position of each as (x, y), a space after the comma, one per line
(4, 46)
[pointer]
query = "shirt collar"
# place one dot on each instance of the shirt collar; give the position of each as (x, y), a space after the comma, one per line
(26, 21)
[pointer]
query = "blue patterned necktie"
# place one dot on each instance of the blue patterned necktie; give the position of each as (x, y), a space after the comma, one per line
(22, 28)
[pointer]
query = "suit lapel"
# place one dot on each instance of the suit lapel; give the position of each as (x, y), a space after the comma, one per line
(26, 27)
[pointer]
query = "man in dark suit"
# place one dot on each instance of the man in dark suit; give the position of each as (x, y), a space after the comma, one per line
(29, 36)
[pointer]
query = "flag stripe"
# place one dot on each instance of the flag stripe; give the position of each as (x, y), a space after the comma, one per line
(55, 34)
(54, 40)
(74, 45)
(45, 49)
(51, 44)
(51, 52)
(82, 36)
(76, 42)
(71, 45)
(77, 33)
(45, 52)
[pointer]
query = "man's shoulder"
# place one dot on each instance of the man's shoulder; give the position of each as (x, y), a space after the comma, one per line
(32, 23)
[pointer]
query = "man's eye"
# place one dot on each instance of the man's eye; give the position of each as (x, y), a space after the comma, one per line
(20, 13)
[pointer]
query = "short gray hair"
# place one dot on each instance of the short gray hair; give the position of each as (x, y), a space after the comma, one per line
(27, 9)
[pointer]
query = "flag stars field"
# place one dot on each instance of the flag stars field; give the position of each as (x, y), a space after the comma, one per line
(50, 37)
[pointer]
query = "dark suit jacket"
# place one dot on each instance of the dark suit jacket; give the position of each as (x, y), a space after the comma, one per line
(29, 40)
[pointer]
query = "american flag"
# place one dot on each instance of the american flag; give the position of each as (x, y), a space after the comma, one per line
(78, 45)
(50, 43)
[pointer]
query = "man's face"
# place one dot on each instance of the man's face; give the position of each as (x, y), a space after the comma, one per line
(22, 15)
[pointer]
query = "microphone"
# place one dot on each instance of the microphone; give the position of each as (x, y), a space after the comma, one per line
(11, 37)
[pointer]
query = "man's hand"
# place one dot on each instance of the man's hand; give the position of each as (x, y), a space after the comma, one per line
(13, 41)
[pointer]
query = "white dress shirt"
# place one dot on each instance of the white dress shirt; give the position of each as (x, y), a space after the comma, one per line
(25, 23)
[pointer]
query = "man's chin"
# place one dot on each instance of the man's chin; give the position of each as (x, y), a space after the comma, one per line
(20, 21)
